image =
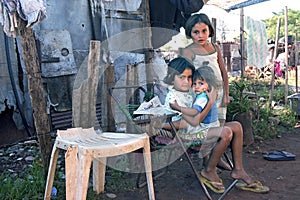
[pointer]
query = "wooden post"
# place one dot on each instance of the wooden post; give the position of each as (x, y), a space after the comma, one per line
(130, 80)
(242, 41)
(274, 58)
(84, 97)
(214, 24)
(109, 103)
(296, 59)
(148, 45)
(286, 57)
(36, 90)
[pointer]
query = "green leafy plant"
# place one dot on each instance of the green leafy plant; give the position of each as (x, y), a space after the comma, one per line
(287, 117)
(263, 126)
(240, 101)
(266, 122)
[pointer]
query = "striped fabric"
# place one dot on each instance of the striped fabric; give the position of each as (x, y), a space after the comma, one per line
(257, 45)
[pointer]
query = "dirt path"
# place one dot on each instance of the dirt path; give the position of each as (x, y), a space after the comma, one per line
(281, 176)
(179, 183)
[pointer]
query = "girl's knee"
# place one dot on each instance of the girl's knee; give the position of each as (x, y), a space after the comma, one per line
(227, 133)
(238, 129)
(238, 125)
(235, 126)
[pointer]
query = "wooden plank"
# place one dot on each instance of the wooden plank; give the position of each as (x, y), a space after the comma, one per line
(99, 169)
(84, 97)
(51, 172)
(71, 164)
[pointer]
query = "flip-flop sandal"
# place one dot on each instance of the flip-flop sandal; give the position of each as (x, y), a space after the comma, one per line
(256, 187)
(278, 155)
(216, 187)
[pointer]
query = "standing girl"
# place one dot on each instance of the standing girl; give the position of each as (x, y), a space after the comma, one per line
(198, 27)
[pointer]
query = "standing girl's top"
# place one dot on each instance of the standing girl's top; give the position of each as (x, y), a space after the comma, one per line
(201, 51)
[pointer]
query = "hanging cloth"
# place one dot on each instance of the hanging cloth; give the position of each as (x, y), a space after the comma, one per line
(257, 42)
(32, 11)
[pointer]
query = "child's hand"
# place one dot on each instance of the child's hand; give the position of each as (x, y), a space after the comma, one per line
(212, 95)
(175, 106)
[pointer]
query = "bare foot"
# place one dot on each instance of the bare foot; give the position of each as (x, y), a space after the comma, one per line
(212, 176)
(211, 180)
(241, 175)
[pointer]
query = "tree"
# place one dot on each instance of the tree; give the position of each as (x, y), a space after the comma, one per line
(293, 23)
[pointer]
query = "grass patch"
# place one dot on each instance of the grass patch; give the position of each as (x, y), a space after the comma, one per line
(28, 185)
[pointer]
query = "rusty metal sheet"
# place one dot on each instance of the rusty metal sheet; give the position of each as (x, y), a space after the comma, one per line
(56, 53)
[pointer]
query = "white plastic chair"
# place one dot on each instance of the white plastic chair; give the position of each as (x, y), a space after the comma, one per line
(84, 146)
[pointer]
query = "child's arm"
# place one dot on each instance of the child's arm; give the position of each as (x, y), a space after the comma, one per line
(196, 120)
(184, 110)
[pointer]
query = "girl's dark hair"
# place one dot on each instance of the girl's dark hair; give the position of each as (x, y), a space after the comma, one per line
(176, 67)
(206, 73)
(198, 18)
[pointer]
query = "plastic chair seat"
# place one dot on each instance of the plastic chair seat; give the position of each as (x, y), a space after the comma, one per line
(84, 146)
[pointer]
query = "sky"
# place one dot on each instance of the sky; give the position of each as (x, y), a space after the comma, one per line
(264, 10)
(258, 11)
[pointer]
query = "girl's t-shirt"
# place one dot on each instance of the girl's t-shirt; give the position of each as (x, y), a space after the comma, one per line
(200, 103)
(184, 99)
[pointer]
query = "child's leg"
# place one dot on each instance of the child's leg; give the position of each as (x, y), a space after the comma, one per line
(237, 151)
(158, 126)
(225, 135)
(237, 143)
(181, 124)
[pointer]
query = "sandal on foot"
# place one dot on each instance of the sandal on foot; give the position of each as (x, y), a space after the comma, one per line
(216, 187)
(256, 187)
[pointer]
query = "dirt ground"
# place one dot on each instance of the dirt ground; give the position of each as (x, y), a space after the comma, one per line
(281, 177)
(180, 183)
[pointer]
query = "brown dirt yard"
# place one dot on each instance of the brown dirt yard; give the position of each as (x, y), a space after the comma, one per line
(180, 183)
(281, 177)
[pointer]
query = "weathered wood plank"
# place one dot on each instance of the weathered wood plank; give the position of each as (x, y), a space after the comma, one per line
(84, 97)
(36, 90)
